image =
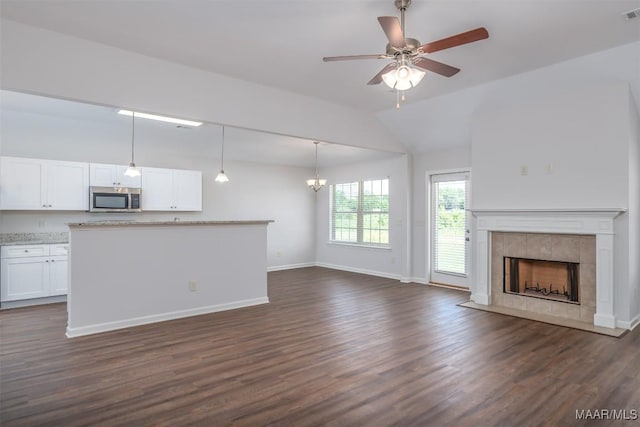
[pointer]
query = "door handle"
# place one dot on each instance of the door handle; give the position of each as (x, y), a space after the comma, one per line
(467, 239)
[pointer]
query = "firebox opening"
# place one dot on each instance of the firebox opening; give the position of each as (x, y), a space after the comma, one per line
(552, 280)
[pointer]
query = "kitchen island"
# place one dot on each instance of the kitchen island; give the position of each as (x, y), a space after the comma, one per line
(128, 273)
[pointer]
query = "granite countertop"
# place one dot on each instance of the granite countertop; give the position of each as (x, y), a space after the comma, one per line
(33, 238)
(122, 223)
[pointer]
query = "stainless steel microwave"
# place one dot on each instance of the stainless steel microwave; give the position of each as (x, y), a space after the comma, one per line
(115, 199)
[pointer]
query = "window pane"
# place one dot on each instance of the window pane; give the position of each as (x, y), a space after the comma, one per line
(360, 212)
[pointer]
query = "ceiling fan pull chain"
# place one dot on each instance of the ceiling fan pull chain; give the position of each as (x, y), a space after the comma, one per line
(397, 99)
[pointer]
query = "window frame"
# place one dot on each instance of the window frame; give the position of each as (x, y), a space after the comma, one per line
(360, 215)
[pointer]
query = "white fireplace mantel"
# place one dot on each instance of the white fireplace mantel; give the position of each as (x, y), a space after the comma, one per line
(598, 222)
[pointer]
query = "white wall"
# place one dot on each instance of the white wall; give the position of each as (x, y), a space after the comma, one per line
(634, 211)
(585, 136)
(107, 291)
(425, 164)
(43, 62)
(254, 191)
(394, 262)
(582, 134)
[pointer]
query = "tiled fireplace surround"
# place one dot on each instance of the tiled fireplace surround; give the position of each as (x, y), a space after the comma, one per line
(584, 236)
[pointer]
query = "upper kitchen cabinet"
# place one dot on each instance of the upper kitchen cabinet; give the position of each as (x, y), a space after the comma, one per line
(103, 175)
(37, 184)
(171, 190)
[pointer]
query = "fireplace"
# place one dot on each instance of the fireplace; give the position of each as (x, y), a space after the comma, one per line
(583, 236)
(536, 278)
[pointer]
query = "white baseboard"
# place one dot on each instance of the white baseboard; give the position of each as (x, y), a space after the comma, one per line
(359, 270)
(480, 298)
(420, 280)
(35, 301)
(629, 325)
(291, 266)
(162, 317)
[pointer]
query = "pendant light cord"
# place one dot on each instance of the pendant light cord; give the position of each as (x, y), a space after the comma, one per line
(222, 154)
(133, 134)
(316, 143)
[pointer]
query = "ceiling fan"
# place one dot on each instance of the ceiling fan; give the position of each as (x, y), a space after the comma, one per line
(409, 66)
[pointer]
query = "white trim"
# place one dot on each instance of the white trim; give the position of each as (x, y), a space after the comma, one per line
(359, 270)
(291, 266)
(420, 280)
(33, 301)
(629, 325)
(466, 170)
(598, 222)
(360, 245)
(137, 321)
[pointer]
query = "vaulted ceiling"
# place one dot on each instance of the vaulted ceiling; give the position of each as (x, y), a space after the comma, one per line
(280, 43)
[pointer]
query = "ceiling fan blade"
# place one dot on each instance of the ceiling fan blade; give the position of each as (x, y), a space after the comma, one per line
(435, 66)
(457, 40)
(393, 30)
(350, 57)
(378, 77)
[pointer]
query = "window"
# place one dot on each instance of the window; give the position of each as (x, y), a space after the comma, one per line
(360, 212)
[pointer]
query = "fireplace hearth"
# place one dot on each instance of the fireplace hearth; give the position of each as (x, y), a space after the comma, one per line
(552, 280)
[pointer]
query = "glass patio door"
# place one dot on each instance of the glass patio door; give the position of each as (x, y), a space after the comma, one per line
(450, 229)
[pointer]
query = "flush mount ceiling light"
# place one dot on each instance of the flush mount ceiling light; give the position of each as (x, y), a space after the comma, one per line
(316, 183)
(160, 118)
(132, 170)
(222, 177)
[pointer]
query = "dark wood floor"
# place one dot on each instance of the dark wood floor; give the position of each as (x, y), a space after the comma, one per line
(332, 348)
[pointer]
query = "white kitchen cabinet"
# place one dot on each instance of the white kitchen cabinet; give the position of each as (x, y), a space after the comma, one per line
(104, 175)
(58, 275)
(37, 184)
(24, 278)
(187, 190)
(171, 190)
(33, 271)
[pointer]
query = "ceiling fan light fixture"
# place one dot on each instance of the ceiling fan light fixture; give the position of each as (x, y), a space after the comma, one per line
(404, 77)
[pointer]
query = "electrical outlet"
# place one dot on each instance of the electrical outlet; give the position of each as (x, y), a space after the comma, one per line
(524, 170)
(279, 254)
(548, 169)
(193, 286)
(393, 260)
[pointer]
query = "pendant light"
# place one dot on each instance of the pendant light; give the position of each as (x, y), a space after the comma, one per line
(222, 177)
(316, 183)
(132, 170)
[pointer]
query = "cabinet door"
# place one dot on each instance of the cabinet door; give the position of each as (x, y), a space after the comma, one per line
(24, 278)
(187, 190)
(127, 181)
(102, 175)
(157, 187)
(67, 186)
(58, 275)
(22, 184)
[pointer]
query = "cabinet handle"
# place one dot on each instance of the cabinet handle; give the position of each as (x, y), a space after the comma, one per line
(26, 250)
(53, 260)
(44, 206)
(49, 205)
(114, 183)
(47, 261)
(118, 183)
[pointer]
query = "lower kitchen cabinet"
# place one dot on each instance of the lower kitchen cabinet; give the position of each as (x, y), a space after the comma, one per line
(33, 271)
